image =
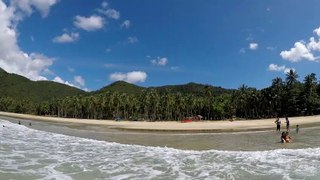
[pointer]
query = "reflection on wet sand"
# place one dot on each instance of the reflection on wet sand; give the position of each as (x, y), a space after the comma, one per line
(248, 141)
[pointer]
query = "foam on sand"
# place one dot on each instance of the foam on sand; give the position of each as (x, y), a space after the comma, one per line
(28, 153)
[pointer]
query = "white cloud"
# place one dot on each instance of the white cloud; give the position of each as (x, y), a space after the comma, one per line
(91, 23)
(131, 77)
(297, 53)
(79, 81)
(66, 38)
(159, 61)
(313, 45)
(275, 67)
(60, 80)
(108, 50)
(317, 31)
(107, 11)
(303, 50)
(12, 58)
(126, 24)
(112, 13)
(253, 46)
(26, 6)
(132, 40)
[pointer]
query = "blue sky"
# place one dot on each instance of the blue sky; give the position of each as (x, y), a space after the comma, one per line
(90, 44)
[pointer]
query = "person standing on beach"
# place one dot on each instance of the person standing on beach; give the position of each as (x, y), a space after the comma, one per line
(278, 123)
(287, 123)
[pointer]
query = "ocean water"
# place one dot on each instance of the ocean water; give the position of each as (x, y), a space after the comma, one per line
(32, 154)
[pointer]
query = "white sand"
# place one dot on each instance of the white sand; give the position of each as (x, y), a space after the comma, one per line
(243, 125)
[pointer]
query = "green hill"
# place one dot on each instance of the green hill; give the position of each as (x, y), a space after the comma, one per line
(122, 87)
(190, 88)
(19, 87)
(194, 88)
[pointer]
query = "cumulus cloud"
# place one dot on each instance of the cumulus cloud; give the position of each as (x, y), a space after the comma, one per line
(298, 52)
(66, 38)
(159, 61)
(91, 23)
(313, 45)
(108, 12)
(12, 58)
(275, 67)
(304, 50)
(79, 81)
(60, 80)
(253, 46)
(132, 40)
(317, 31)
(126, 24)
(112, 13)
(27, 6)
(130, 77)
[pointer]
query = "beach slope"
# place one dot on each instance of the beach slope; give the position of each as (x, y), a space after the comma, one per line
(201, 126)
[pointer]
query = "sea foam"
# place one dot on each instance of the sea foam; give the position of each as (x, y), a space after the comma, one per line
(26, 152)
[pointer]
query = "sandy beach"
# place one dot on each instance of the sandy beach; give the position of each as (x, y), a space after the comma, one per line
(204, 135)
(201, 126)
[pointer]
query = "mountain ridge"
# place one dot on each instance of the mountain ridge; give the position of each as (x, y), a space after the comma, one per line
(20, 87)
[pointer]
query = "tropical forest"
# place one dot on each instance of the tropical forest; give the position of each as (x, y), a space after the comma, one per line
(122, 100)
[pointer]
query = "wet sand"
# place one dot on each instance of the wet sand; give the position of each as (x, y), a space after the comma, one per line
(248, 140)
(174, 126)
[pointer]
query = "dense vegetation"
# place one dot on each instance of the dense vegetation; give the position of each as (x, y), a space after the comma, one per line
(284, 97)
(21, 88)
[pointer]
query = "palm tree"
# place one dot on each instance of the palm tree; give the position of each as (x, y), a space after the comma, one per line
(310, 82)
(292, 77)
(310, 95)
(277, 94)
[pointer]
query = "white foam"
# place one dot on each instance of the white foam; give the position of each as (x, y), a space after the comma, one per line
(50, 155)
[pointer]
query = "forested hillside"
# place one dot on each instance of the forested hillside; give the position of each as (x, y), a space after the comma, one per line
(19, 87)
(287, 97)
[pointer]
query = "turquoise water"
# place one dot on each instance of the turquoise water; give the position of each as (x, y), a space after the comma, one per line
(32, 154)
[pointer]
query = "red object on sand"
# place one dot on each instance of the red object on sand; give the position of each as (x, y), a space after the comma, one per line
(186, 120)
(192, 118)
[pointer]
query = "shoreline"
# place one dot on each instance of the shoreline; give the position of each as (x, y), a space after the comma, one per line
(174, 126)
(239, 137)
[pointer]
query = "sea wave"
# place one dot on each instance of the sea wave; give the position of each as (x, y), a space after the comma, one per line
(26, 152)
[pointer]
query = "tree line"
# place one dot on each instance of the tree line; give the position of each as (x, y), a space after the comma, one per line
(287, 97)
